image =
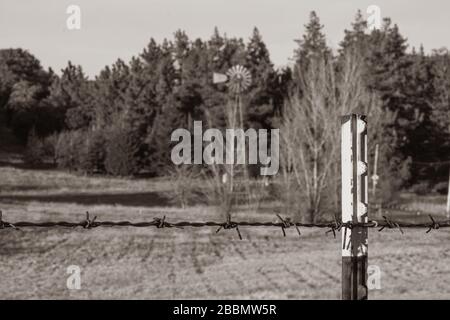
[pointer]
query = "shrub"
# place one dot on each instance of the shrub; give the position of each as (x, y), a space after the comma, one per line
(92, 155)
(122, 147)
(182, 179)
(421, 188)
(82, 151)
(34, 153)
(68, 148)
(50, 147)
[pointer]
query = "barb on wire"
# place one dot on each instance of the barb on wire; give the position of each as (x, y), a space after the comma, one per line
(4, 225)
(434, 225)
(286, 223)
(390, 224)
(162, 223)
(230, 225)
(88, 223)
(335, 227)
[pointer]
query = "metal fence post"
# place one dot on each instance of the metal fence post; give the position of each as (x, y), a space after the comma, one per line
(354, 170)
(448, 196)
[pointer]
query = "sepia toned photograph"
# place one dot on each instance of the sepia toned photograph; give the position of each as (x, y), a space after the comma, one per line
(197, 150)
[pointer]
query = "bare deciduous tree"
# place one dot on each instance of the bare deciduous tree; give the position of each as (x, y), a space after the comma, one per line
(221, 179)
(182, 178)
(310, 132)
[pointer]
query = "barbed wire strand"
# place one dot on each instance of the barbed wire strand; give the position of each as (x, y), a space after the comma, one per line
(285, 223)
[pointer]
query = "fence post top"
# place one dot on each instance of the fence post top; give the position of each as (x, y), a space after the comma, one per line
(347, 117)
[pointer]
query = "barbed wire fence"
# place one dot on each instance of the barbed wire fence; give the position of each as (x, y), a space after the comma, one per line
(353, 223)
(350, 272)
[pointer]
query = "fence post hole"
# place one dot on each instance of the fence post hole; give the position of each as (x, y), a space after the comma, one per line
(354, 170)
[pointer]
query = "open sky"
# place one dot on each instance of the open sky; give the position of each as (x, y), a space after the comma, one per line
(112, 28)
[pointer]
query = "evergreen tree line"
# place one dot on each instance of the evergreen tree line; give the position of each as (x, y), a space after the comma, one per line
(120, 122)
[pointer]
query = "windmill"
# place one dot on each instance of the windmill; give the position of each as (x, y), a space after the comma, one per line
(238, 79)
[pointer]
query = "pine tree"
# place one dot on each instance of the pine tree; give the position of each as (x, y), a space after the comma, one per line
(181, 50)
(215, 96)
(188, 94)
(422, 134)
(103, 98)
(260, 105)
(72, 92)
(387, 73)
(216, 46)
(312, 45)
(357, 37)
(441, 105)
(405, 84)
(151, 55)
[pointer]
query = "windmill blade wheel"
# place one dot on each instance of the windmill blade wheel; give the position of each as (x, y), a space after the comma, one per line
(239, 79)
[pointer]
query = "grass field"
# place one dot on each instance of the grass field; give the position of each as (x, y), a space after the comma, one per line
(133, 263)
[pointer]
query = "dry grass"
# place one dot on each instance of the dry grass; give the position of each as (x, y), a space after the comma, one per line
(40, 182)
(132, 263)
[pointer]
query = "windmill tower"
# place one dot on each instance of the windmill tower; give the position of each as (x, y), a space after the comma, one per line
(238, 79)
